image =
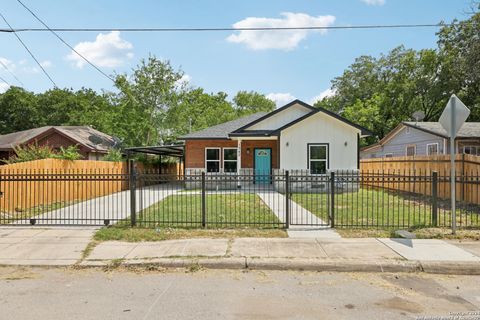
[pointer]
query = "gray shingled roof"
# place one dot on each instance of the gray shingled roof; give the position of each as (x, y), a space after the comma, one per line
(468, 130)
(222, 130)
(83, 135)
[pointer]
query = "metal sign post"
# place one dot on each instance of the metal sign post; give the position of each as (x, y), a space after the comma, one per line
(452, 119)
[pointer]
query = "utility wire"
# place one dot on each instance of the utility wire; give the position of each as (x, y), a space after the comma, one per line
(65, 43)
(196, 29)
(5, 81)
(13, 74)
(30, 52)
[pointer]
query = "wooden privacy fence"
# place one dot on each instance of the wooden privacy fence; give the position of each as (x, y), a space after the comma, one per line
(51, 181)
(385, 173)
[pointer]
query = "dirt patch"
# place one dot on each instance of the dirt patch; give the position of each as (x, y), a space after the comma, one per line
(17, 274)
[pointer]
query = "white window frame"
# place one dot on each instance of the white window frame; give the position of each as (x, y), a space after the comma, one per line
(477, 149)
(414, 150)
(223, 157)
(388, 155)
(432, 144)
(219, 158)
(327, 154)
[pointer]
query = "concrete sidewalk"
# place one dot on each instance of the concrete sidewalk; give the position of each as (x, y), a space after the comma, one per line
(36, 246)
(365, 254)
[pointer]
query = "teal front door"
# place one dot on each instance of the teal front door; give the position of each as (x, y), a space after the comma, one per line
(263, 165)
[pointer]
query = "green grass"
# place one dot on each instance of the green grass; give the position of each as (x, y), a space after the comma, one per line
(382, 209)
(223, 211)
(119, 233)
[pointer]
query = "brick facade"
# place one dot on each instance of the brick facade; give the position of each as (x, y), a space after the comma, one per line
(195, 151)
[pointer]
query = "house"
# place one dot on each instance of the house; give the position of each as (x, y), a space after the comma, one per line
(296, 136)
(92, 144)
(424, 138)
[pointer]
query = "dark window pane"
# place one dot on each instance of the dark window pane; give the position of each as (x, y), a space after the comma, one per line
(318, 167)
(213, 166)
(230, 154)
(230, 166)
(213, 154)
(318, 152)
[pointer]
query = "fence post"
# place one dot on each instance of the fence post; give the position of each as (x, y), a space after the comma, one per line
(133, 192)
(332, 199)
(204, 207)
(434, 198)
(287, 199)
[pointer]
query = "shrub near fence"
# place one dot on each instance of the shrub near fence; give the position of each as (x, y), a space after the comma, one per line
(417, 168)
(44, 182)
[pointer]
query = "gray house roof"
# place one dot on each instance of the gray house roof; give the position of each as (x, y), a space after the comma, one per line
(468, 130)
(221, 131)
(83, 135)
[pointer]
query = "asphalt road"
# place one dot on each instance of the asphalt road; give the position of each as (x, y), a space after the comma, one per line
(139, 294)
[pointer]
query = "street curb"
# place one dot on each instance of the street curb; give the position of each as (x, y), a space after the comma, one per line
(296, 264)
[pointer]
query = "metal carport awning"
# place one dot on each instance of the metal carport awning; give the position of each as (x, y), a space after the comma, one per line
(174, 150)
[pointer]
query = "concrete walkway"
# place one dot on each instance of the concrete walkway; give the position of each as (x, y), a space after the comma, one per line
(113, 207)
(303, 223)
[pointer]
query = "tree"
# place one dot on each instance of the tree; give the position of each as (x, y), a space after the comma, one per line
(19, 111)
(459, 47)
(251, 102)
(198, 110)
(144, 100)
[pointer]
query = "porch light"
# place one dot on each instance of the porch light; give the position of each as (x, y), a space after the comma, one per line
(287, 144)
(248, 150)
(346, 143)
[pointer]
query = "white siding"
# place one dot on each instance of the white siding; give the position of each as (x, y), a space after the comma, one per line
(319, 128)
(281, 118)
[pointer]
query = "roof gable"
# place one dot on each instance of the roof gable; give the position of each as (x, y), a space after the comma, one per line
(83, 135)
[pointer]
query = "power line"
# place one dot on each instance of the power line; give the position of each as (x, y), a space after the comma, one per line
(6, 68)
(30, 52)
(5, 81)
(64, 42)
(197, 29)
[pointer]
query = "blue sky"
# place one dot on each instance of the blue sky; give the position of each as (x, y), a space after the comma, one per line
(285, 65)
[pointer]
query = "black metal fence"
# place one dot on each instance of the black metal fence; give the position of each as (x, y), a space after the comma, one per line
(226, 200)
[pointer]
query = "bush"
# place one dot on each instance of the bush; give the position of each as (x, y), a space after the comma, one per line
(113, 155)
(33, 152)
(69, 153)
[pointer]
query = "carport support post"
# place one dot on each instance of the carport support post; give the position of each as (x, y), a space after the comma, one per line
(434, 198)
(204, 213)
(133, 186)
(332, 199)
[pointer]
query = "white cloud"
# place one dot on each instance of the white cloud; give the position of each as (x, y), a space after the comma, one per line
(324, 94)
(281, 99)
(3, 87)
(108, 50)
(183, 82)
(46, 64)
(374, 2)
(10, 65)
(283, 40)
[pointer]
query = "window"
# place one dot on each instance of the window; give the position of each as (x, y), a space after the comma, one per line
(410, 151)
(212, 159)
(432, 148)
(230, 159)
(389, 155)
(318, 158)
(475, 150)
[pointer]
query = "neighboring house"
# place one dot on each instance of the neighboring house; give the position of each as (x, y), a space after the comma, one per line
(296, 136)
(92, 144)
(424, 138)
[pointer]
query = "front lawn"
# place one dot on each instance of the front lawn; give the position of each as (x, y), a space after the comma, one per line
(383, 209)
(222, 211)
